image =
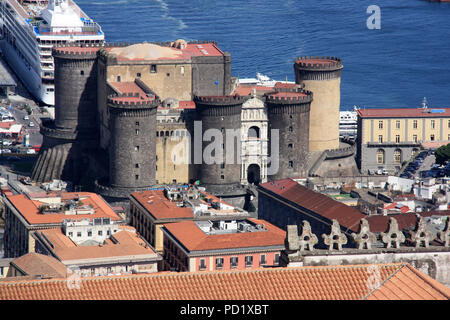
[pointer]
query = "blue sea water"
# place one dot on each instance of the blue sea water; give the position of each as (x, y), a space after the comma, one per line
(395, 66)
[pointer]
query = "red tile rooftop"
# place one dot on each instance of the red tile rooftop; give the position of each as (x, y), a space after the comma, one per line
(403, 112)
(285, 85)
(194, 239)
(128, 87)
(323, 205)
(148, 51)
(245, 90)
(29, 209)
(156, 203)
(287, 94)
(397, 282)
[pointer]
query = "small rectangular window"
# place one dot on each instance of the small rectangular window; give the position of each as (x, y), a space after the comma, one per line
(153, 68)
(89, 233)
(219, 263)
(432, 137)
(276, 258)
(414, 124)
(136, 165)
(262, 260)
(78, 234)
(415, 137)
(397, 124)
(380, 139)
(248, 261)
(234, 262)
(433, 124)
(202, 265)
(136, 148)
(380, 124)
(397, 139)
(100, 232)
(137, 177)
(118, 78)
(138, 75)
(291, 164)
(137, 132)
(137, 123)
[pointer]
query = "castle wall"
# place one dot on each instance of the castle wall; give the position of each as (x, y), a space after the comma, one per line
(172, 149)
(206, 71)
(75, 97)
(133, 145)
(292, 122)
(171, 79)
(324, 116)
(221, 115)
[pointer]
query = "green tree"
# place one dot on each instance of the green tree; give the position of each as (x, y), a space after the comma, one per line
(442, 154)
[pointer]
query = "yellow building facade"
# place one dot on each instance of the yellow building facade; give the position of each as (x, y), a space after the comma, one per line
(388, 137)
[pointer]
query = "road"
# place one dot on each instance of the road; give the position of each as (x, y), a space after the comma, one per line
(428, 162)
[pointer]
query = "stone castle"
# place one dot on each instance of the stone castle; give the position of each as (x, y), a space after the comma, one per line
(124, 112)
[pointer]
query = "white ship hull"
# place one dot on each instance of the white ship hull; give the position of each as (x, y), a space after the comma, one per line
(31, 31)
(30, 79)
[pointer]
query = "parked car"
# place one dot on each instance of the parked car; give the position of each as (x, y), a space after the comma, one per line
(31, 151)
(26, 117)
(31, 124)
(7, 143)
(6, 151)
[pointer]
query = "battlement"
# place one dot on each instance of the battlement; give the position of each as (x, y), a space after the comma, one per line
(289, 96)
(310, 63)
(132, 100)
(81, 51)
(220, 100)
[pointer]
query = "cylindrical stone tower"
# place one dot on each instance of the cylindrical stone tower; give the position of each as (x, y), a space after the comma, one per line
(132, 149)
(222, 113)
(76, 89)
(289, 113)
(322, 76)
(74, 132)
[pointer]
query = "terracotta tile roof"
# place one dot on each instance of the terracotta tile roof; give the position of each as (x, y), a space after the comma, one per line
(285, 85)
(29, 208)
(322, 205)
(38, 264)
(410, 284)
(303, 283)
(128, 87)
(402, 113)
(159, 206)
(245, 90)
(191, 50)
(194, 239)
(287, 94)
(186, 105)
(128, 244)
(380, 223)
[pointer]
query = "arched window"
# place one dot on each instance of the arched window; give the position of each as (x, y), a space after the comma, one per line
(253, 132)
(397, 156)
(380, 156)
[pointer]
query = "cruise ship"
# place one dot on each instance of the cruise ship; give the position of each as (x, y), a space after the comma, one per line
(28, 31)
(348, 123)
